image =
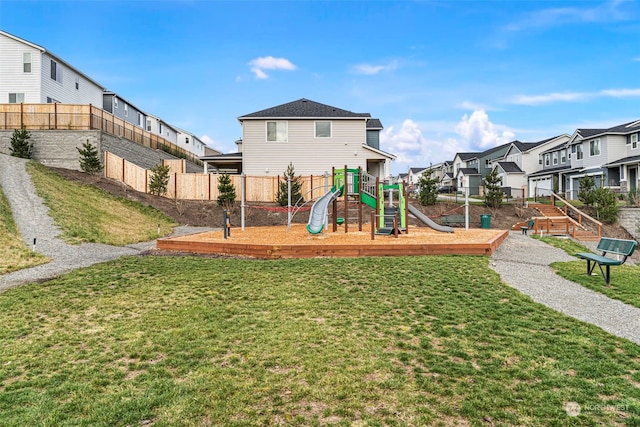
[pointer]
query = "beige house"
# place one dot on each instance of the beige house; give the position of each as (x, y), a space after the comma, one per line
(314, 137)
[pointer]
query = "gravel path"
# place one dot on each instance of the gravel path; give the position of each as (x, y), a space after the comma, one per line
(523, 263)
(33, 221)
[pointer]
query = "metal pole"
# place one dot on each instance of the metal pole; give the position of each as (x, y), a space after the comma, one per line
(242, 199)
(326, 190)
(466, 208)
(289, 202)
(224, 223)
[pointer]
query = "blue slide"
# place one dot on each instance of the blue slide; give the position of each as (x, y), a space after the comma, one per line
(319, 210)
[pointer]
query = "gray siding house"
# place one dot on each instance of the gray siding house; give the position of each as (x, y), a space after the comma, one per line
(123, 109)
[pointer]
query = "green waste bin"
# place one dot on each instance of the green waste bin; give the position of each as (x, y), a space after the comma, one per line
(485, 221)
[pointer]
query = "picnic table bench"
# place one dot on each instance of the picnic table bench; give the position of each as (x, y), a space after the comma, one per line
(619, 247)
(452, 219)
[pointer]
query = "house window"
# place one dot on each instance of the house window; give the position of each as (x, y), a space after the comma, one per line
(77, 83)
(555, 158)
(594, 147)
(634, 140)
(126, 110)
(52, 101)
(622, 178)
(563, 156)
(323, 129)
(16, 98)
(579, 154)
(547, 159)
(139, 119)
(539, 159)
(277, 131)
(159, 128)
(186, 140)
(56, 71)
(148, 125)
(26, 62)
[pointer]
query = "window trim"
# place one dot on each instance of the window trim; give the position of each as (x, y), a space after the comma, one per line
(26, 60)
(547, 159)
(555, 158)
(16, 95)
(579, 152)
(56, 71)
(286, 130)
(634, 144)
(126, 110)
(563, 156)
(315, 125)
(594, 143)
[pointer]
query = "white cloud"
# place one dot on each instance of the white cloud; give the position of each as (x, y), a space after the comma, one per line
(258, 65)
(370, 70)
(550, 97)
(413, 149)
(479, 133)
(621, 93)
(217, 145)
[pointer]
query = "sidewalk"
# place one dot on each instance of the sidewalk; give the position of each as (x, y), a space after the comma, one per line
(523, 263)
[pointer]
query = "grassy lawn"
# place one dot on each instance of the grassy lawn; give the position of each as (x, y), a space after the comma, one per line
(14, 255)
(88, 214)
(171, 341)
(624, 287)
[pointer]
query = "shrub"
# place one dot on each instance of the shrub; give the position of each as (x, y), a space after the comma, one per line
(606, 205)
(428, 188)
(282, 196)
(586, 194)
(89, 158)
(159, 179)
(21, 145)
(494, 194)
(226, 192)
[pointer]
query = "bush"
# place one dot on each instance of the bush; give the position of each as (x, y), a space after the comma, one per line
(606, 205)
(226, 192)
(89, 158)
(21, 146)
(494, 195)
(428, 188)
(159, 179)
(586, 194)
(282, 196)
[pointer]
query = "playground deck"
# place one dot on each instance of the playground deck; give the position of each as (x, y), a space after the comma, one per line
(277, 242)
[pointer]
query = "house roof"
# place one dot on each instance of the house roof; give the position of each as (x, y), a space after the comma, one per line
(227, 156)
(416, 170)
(510, 167)
(467, 156)
(304, 108)
(57, 58)
(402, 175)
(555, 148)
(468, 171)
(622, 129)
(626, 160)
(374, 124)
(550, 171)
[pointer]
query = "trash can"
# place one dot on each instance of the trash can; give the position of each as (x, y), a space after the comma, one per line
(485, 221)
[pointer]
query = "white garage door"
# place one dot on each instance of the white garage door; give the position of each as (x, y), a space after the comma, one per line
(540, 186)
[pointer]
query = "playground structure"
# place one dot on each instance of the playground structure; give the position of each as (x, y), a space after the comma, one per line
(357, 188)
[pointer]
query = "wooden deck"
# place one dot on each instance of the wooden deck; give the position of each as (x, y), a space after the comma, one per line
(277, 242)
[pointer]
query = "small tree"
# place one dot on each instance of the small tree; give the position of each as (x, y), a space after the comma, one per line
(226, 192)
(21, 146)
(282, 196)
(428, 188)
(606, 205)
(494, 194)
(89, 158)
(586, 193)
(159, 179)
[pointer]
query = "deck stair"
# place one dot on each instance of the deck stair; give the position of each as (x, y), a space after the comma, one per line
(555, 221)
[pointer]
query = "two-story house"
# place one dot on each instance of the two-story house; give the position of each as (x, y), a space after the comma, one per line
(123, 109)
(471, 168)
(523, 158)
(161, 128)
(605, 154)
(31, 74)
(548, 176)
(314, 137)
(190, 142)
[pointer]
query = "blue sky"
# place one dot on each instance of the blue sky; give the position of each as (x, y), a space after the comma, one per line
(442, 76)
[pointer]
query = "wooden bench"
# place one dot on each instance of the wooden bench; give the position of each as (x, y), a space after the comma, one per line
(608, 246)
(452, 219)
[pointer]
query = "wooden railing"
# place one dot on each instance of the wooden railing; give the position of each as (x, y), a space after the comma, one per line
(84, 117)
(581, 215)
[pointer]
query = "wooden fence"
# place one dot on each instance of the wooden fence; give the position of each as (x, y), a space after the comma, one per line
(83, 117)
(201, 186)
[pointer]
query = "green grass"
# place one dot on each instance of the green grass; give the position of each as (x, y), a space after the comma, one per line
(88, 214)
(14, 255)
(624, 279)
(412, 341)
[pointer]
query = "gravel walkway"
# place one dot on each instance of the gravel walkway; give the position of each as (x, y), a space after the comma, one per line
(33, 221)
(523, 263)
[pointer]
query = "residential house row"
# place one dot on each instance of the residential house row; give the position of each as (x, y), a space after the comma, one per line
(611, 156)
(31, 74)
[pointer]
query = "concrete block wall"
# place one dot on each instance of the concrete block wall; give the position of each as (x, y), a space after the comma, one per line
(629, 218)
(58, 148)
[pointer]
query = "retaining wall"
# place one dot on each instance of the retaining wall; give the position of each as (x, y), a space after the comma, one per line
(629, 218)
